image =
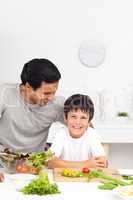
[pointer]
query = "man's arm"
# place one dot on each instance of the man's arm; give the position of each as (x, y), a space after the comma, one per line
(1, 147)
(94, 162)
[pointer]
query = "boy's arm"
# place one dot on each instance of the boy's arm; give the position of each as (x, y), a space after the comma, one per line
(94, 162)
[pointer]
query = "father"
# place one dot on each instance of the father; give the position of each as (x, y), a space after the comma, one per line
(28, 109)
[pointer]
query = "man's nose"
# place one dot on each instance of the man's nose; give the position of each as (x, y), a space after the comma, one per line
(50, 97)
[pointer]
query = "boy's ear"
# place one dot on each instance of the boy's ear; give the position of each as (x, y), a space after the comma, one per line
(65, 120)
(90, 124)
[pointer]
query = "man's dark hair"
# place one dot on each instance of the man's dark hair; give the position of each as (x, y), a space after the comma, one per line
(79, 101)
(37, 71)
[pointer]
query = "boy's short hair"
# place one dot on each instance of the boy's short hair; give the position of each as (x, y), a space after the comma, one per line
(37, 71)
(79, 101)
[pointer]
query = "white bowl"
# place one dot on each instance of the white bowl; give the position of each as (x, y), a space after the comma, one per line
(124, 192)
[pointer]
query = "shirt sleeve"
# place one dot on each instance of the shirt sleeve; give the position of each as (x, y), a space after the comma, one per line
(95, 144)
(53, 130)
(57, 144)
(60, 109)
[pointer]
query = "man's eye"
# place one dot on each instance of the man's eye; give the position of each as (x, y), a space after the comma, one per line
(47, 93)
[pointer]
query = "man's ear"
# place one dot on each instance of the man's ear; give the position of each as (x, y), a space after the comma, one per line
(28, 88)
(28, 85)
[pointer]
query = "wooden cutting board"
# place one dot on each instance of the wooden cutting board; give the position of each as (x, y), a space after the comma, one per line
(60, 178)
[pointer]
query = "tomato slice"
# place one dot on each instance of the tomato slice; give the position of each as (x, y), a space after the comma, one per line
(85, 170)
(22, 169)
(1, 177)
(34, 170)
(27, 169)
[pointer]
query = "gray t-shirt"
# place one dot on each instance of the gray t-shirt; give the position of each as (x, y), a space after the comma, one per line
(23, 126)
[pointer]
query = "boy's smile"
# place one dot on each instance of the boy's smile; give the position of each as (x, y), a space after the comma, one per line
(77, 122)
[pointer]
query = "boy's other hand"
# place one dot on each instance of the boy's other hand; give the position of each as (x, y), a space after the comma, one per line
(97, 162)
(102, 160)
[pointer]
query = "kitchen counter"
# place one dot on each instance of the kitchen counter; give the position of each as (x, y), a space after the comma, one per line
(69, 190)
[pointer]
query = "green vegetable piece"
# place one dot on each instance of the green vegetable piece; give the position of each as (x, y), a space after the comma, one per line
(41, 186)
(108, 186)
(127, 177)
(114, 182)
(39, 159)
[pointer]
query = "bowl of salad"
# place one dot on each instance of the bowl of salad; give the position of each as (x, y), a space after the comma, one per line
(24, 162)
(11, 160)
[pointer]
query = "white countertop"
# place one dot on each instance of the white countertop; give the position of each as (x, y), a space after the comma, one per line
(69, 190)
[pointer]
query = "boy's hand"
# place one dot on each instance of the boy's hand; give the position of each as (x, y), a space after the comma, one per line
(102, 160)
(97, 162)
(93, 163)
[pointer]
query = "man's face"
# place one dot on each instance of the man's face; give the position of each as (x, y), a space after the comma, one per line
(77, 122)
(42, 95)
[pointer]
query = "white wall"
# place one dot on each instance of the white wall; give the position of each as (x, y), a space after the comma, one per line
(120, 156)
(55, 30)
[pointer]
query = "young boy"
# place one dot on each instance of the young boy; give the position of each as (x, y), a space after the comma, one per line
(77, 144)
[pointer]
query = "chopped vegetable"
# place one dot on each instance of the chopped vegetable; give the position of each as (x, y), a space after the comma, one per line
(1, 177)
(100, 174)
(39, 159)
(113, 182)
(85, 170)
(71, 173)
(108, 186)
(34, 170)
(22, 169)
(128, 177)
(41, 186)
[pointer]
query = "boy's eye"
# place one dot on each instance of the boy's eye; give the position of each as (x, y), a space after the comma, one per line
(83, 117)
(73, 116)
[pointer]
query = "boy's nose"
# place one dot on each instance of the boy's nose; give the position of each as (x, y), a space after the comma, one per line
(77, 121)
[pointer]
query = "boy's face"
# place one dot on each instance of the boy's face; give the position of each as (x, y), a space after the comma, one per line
(77, 122)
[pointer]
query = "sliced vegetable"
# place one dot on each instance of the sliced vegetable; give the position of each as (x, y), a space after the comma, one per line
(71, 173)
(39, 159)
(85, 170)
(34, 170)
(128, 177)
(112, 182)
(1, 177)
(41, 186)
(108, 186)
(22, 169)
